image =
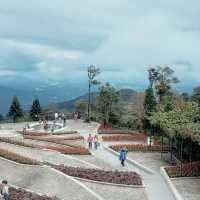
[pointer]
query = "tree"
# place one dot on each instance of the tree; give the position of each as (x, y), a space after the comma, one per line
(107, 102)
(93, 71)
(81, 105)
(149, 101)
(36, 110)
(1, 117)
(15, 110)
(164, 79)
(196, 95)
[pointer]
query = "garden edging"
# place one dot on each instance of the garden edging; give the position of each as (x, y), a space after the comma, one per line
(171, 186)
(132, 162)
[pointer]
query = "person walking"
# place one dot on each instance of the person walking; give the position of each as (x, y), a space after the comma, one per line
(90, 140)
(96, 142)
(4, 190)
(123, 155)
(100, 140)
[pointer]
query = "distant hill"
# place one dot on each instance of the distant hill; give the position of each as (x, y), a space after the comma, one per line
(126, 95)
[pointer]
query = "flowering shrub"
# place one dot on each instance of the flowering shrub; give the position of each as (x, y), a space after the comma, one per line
(33, 133)
(124, 137)
(188, 170)
(17, 158)
(139, 147)
(21, 194)
(117, 177)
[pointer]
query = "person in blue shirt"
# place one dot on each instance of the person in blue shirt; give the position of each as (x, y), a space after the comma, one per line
(122, 155)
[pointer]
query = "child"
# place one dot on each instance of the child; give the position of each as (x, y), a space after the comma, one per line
(122, 155)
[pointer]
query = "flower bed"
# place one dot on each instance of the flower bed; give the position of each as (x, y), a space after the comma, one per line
(55, 138)
(124, 137)
(65, 149)
(116, 131)
(17, 158)
(33, 133)
(188, 170)
(64, 133)
(116, 177)
(21, 194)
(139, 147)
(16, 142)
(78, 150)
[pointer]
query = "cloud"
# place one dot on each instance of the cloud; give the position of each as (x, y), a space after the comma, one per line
(58, 40)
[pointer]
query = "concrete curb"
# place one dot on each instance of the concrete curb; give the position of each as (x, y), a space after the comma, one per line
(147, 170)
(77, 182)
(110, 184)
(171, 186)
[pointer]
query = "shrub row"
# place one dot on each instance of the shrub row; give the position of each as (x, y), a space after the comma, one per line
(21, 194)
(188, 170)
(124, 137)
(33, 133)
(116, 177)
(17, 158)
(139, 147)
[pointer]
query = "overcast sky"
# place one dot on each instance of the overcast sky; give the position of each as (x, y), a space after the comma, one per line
(57, 40)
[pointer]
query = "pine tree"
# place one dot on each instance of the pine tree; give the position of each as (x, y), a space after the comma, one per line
(15, 110)
(36, 110)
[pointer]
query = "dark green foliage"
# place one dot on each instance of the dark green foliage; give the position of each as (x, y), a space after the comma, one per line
(1, 117)
(108, 103)
(36, 110)
(149, 101)
(196, 95)
(15, 110)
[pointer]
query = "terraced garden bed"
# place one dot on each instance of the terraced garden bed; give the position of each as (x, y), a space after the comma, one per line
(140, 147)
(188, 170)
(65, 149)
(124, 137)
(115, 177)
(17, 158)
(21, 194)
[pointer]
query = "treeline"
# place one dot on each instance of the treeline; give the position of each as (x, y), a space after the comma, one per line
(16, 112)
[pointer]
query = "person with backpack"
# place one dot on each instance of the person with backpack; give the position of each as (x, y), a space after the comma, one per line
(122, 155)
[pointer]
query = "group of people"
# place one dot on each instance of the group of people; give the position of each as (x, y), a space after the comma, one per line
(4, 190)
(94, 141)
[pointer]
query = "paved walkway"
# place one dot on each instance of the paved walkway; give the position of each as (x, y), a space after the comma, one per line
(46, 181)
(156, 188)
